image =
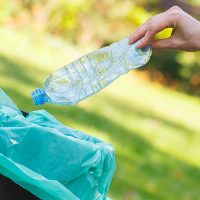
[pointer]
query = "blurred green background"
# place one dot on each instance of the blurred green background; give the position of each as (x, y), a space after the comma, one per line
(151, 115)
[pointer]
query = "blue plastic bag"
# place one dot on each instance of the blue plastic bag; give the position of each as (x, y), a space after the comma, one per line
(52, 161)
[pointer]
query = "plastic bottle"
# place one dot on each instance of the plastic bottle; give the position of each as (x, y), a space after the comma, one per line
(91, 73)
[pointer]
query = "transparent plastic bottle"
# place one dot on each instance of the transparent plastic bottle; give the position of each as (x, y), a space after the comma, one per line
(91, 73)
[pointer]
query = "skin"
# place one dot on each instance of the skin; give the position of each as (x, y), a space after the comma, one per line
(185, 35)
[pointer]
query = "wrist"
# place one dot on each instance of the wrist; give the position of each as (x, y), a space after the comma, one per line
(198, 37)
(195, 38)
(198, 42)
(198, 45)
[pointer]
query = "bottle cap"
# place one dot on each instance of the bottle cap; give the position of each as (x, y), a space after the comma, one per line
(39, 96)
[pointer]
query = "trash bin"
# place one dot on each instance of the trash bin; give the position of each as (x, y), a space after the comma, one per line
(50, 160)
(11, 191)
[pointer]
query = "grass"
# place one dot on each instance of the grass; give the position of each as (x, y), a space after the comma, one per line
(155, 131)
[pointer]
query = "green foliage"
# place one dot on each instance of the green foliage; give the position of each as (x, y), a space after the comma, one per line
(7, 8)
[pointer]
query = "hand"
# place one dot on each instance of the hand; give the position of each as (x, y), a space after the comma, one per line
(185, 35)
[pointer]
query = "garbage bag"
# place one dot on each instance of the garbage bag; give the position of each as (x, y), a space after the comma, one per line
(52, 161)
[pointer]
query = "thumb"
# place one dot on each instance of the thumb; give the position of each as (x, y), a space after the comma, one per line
(168, 43)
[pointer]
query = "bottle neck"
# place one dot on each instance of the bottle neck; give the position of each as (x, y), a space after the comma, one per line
(39, 97)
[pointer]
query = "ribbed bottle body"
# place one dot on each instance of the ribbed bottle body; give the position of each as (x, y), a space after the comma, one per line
(94, 71)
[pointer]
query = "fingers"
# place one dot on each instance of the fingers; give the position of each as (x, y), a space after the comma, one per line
(169, 43)
(138, 34)
(151, 28)
(146, 40)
